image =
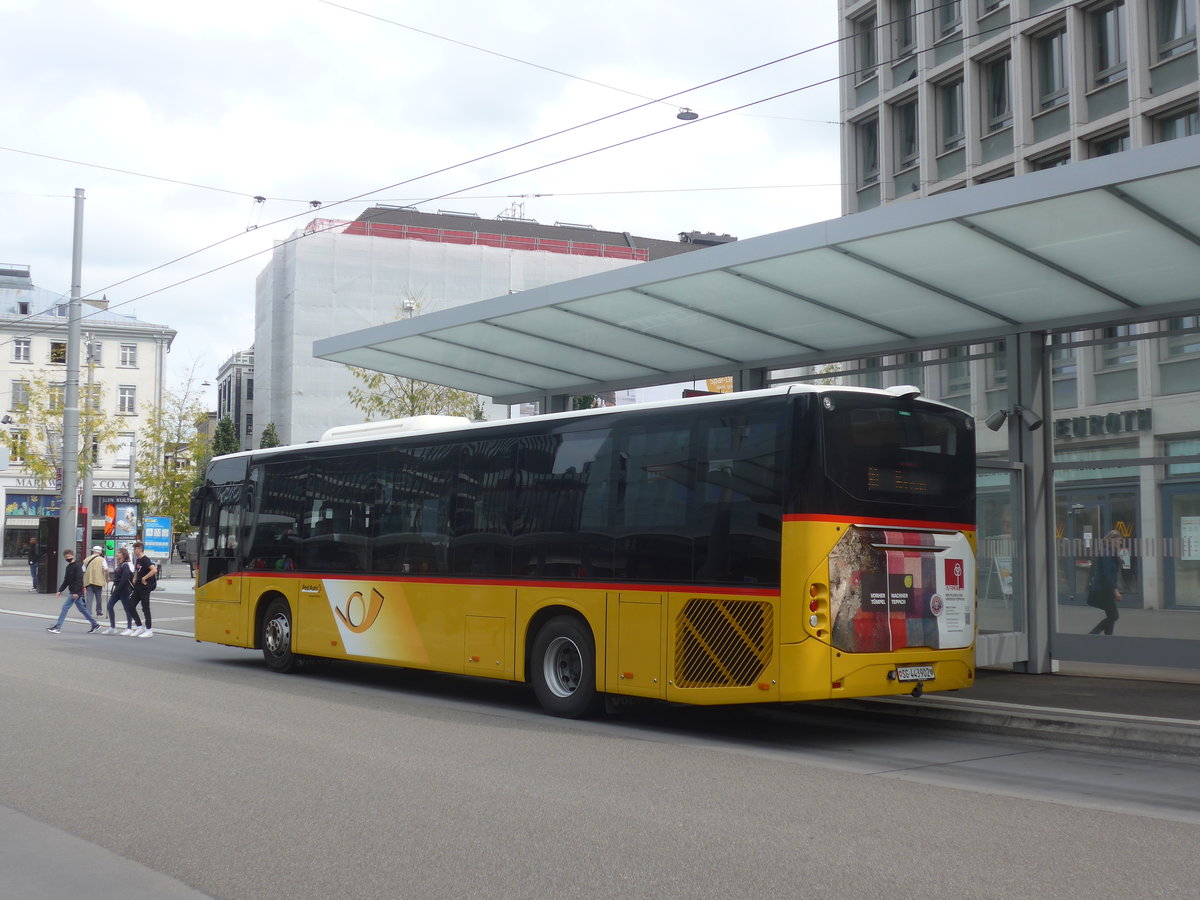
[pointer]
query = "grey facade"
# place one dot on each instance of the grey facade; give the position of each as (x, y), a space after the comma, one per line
(938, 95)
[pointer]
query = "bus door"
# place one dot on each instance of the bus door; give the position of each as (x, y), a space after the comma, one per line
(216, 541)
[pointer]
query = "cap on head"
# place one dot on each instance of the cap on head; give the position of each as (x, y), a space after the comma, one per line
(97, 550)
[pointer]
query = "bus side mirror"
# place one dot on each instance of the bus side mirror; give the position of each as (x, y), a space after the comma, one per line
(196, 506)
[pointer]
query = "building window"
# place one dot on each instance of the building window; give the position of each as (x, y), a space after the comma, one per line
(1108, 42)
(18, 446)
(950, 99)
(949, 17)
(1052, 160)
(986, 6)
(1053, 69)
(1110, 144)
(91, 394)
(1183, 336)
(58, 351)
(22, 349)
(129, 355)
(864, 48)
(96, 352)
(956, 371)
(1176, 27)
(1117, 352)
(998, 83)
(905, 25)
(1182, 123)
(19, 398)
(249, 425)
(127, 399)
(22, 307)
(904, 119)
(58, 396)
(249, 388)
(997, 365)
(868, 152)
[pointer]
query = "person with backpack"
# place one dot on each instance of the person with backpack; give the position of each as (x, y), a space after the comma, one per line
(95, 575)
(72, 583)
(122, 592)
(145, 580)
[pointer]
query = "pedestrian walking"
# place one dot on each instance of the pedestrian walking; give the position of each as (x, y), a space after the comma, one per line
(1103, 592)
(145, 580)
(122, 592)
(95, 575)
(72, 583)
(35, 564)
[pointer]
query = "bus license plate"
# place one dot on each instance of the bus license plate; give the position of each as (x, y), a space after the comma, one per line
(914, 673)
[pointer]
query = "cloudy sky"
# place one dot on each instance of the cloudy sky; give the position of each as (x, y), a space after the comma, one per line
(174, 117)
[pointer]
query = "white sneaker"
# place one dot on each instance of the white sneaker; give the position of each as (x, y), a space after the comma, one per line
(127, 632)
(137, 632)
(149, 632)
(109, 630)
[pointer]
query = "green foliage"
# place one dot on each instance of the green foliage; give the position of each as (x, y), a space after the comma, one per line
(226, 439)
(169, 447)
(270, 437)
(39, 445)
(382, 396)
(585, 401)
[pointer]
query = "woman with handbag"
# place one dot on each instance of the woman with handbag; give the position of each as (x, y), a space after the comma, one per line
(1103, 592)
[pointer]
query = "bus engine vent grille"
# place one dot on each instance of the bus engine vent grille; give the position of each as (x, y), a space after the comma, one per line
(722, 643)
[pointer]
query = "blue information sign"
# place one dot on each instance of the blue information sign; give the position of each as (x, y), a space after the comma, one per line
(156, 535)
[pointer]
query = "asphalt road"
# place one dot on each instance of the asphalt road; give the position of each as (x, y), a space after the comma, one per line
(161, 768)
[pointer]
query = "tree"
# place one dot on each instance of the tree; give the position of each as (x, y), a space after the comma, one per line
(383, 396)
(168, 446)
(225, 441)
(585, 401)
(39, 446)
(270, 437)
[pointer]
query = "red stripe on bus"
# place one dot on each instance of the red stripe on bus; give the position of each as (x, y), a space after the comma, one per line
(880, 523)
(502, 582)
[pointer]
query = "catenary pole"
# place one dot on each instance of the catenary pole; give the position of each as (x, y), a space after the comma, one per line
(69, 514)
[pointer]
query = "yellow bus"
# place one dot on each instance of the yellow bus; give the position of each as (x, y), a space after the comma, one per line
(798, 543)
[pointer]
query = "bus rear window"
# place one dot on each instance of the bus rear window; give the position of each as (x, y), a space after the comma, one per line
(896, 453)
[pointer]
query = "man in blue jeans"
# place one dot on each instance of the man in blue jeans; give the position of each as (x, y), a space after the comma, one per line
(73, 583)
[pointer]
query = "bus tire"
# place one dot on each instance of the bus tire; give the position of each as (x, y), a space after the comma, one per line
(563, 668)
(276, 637)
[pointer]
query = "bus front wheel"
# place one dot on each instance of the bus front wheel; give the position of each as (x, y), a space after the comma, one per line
(276, 637)
(563, 668)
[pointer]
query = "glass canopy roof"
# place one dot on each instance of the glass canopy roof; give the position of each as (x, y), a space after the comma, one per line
(1093, 243)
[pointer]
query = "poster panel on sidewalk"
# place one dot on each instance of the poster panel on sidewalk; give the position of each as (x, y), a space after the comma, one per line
(156, 536)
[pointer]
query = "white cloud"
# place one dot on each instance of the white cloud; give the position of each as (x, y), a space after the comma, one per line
(308, 102)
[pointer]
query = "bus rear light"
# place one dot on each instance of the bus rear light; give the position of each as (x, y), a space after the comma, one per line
(814, 605)
(814, 621)
(837, 685)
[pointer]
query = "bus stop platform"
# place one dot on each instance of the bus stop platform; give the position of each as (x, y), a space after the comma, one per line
(1133, 715)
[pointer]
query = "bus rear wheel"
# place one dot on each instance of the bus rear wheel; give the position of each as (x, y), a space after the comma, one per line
(276, 637)
(563, 668)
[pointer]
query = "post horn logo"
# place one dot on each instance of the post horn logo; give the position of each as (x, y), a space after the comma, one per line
(358, 615)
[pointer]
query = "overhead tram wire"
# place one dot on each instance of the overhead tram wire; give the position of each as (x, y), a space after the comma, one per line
(530, 142)
(298, 237)
(481, 158)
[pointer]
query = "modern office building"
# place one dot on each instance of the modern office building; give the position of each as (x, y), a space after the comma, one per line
(937, 95)
(128, 365)
(395, 262)
(235, 395)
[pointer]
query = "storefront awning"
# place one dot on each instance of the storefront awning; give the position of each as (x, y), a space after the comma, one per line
(1088, 244)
